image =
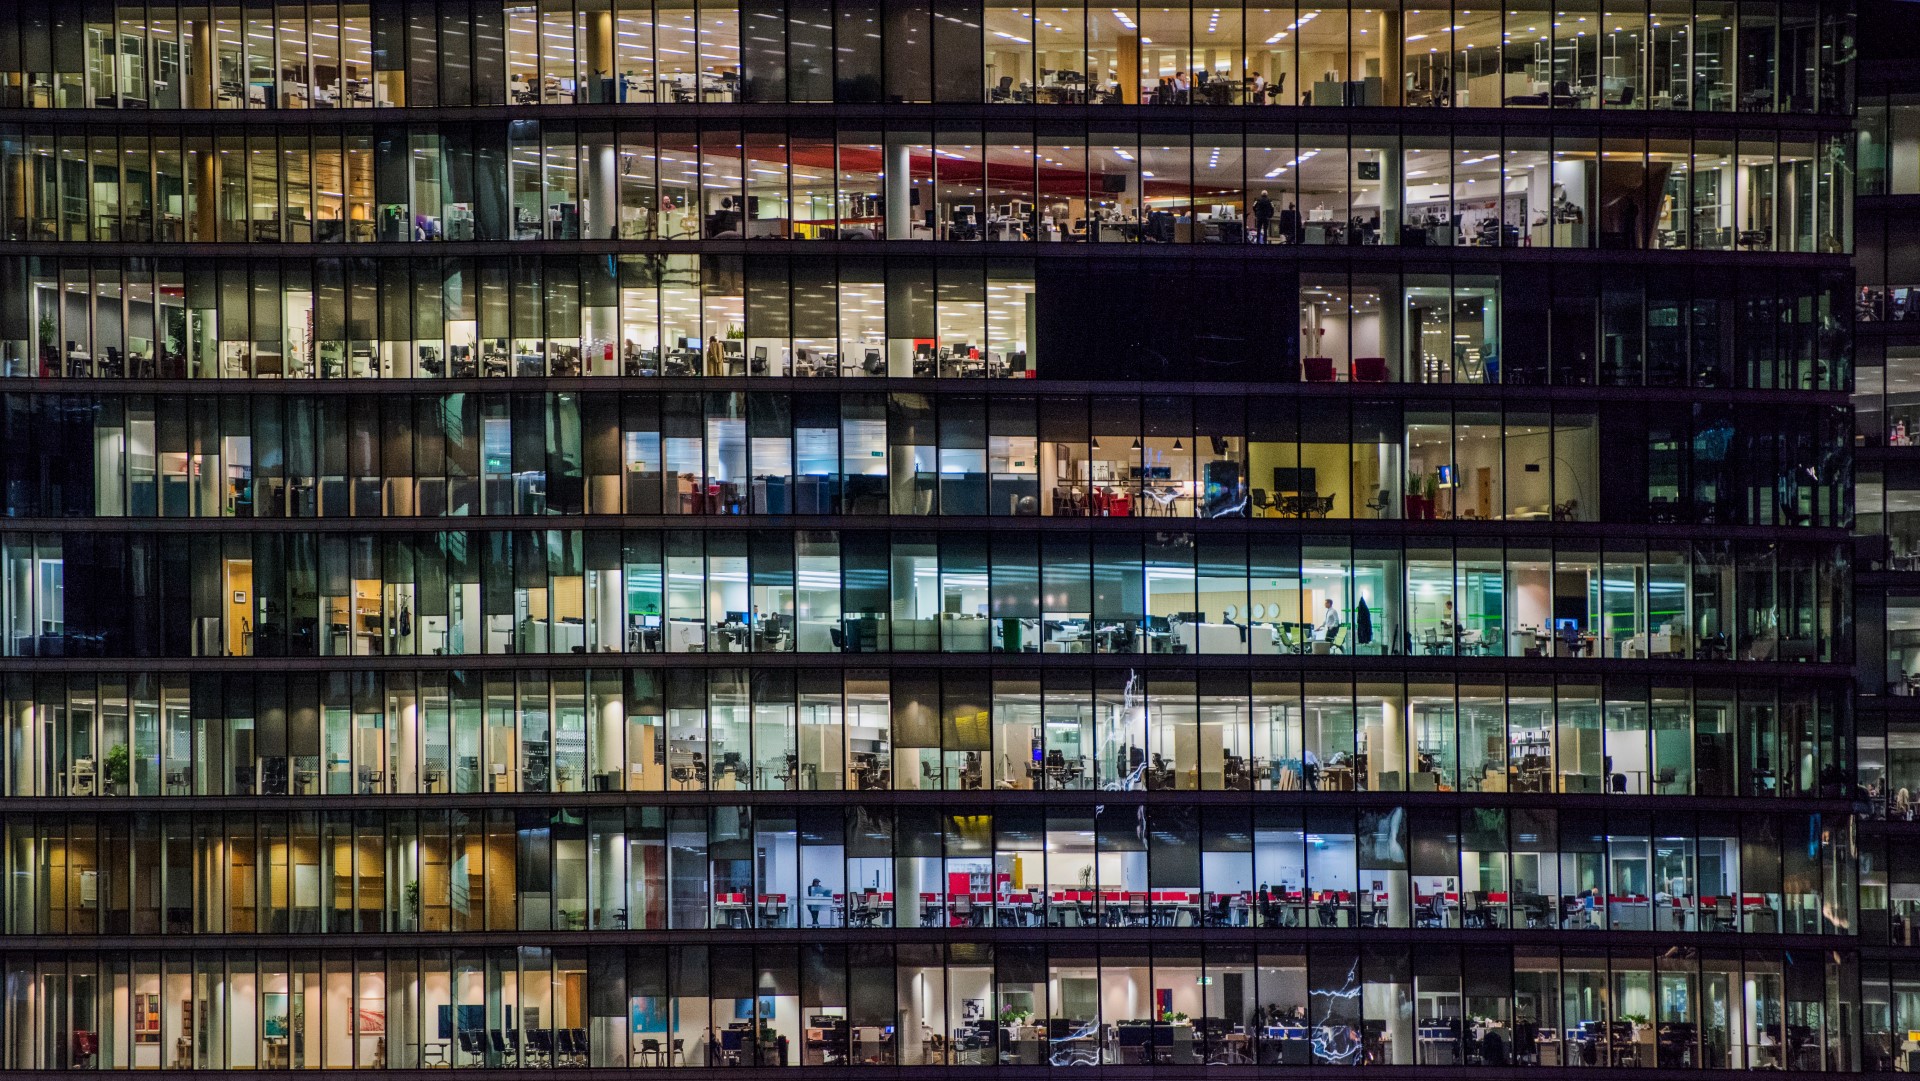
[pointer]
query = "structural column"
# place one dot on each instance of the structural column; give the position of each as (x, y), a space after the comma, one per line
(896, 185)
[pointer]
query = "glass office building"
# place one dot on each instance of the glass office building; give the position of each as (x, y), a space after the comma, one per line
(1887, 666)
(857, 535)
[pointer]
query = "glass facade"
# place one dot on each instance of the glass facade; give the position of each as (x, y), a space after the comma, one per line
(1887, 727)
(1364, 538)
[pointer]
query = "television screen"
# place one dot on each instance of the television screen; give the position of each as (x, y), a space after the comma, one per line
(1294, 480)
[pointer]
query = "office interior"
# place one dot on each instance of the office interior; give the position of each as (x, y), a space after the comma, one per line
(1670, 56)
(828, 1005)
(1119, 182)
(859, 730)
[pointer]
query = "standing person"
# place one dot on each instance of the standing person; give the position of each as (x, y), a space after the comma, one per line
(716, 357)
(816, 900)
(1329, 621)
(1290, 224)
(1262, 217)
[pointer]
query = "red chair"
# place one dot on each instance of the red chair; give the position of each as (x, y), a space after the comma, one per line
(1369, 370)
(1318, 369)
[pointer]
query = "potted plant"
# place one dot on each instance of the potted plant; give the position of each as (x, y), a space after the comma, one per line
(413, 905)
(119, 766)
(1419, 499)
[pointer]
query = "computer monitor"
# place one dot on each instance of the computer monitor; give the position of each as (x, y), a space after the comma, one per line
(1567, 626)
(690, 344)
(760, 352)
(738, 617)
(963, 210)
(650, 622)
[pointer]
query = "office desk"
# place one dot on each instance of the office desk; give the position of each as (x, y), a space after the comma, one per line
(1336, 778)
(686, 636)
(733, 910)
(1322, 232)
(1005, 229)
(1210, 637)
(1651, 645)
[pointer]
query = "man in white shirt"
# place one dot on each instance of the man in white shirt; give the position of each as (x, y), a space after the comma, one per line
(1329, 621)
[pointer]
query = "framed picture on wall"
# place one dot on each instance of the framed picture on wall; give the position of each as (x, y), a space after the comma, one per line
(649, 1014)
(373, 1021)
(273, 1009)
(146, 1017)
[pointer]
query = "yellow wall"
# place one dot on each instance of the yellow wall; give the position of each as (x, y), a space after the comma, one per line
(239, 613)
